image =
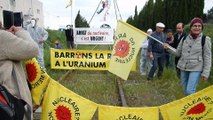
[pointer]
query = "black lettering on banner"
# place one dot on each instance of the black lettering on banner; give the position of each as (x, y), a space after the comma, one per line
(99, 56)
(57, 64)
(70, 102)
(39, 82)
(56, 55)
(129, 117)
(132, 41)
(109, 55)
(86, 55)
(121, 35)
(96, 38)
(81, 32)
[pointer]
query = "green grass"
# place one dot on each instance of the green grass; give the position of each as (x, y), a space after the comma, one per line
(98, 86)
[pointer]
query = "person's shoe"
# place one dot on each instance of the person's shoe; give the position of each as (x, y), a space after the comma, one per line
(149, 79)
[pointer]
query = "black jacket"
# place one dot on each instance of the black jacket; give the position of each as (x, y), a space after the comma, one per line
(176, 40)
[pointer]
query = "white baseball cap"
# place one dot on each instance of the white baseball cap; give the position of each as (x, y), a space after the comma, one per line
(149, 30)
(160, 24)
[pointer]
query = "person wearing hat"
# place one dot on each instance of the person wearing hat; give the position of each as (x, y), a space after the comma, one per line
(195, 58)
(156, 51)
(145, 61)
(57, 45)
(39, 35)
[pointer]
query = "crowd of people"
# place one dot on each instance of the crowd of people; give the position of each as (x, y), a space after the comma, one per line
(191, 58)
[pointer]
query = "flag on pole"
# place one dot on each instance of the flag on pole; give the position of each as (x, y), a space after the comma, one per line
(60, 103)
(69, 3)
(38, 80)
(128, 40)
(127, 113)
(198, 106)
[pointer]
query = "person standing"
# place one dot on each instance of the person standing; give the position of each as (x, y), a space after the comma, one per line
(39, 35)
(195, 57)
(16, 46)
(69, 36)
(168, 57)
(156, 51)
(180, 34)
(145, 60)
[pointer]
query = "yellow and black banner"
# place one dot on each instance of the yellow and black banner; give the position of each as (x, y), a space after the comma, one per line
(127, 113)
(38, 80)
(62, 104)
(198, 106)
(81, 59)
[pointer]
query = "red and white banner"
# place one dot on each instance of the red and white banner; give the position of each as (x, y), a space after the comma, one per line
(93, 36)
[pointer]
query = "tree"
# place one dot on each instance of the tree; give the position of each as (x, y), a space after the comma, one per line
(210, 14)
(170, 12)
(80, 21)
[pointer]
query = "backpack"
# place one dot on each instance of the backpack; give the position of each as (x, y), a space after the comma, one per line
(11, 108)
(203, 40)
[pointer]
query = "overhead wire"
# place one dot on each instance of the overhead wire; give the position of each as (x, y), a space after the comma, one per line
(95, 11)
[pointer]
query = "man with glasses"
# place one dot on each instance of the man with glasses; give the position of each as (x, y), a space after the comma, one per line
(156, 51)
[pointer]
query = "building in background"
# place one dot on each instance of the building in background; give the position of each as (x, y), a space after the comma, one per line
(29, 9)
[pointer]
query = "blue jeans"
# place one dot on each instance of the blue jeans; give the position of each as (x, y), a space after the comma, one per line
(189, 81)
(157, 62)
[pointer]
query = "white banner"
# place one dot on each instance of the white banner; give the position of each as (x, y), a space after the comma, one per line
(93, 36)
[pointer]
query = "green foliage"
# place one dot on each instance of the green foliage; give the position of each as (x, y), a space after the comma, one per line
(54, 35)
(80, 21)
(170, 12)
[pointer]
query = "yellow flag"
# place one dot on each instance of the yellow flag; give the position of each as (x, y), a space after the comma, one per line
(62, 104)
(198, 106)
(69, 3)
(127, 113)
(38, 80)
(127, 44)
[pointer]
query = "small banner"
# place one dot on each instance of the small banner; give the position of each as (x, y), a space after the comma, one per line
(38, 80)
(198, 106)
(62, 104)
(68, 4)
(93, 36)
(128, 40)
(81, 59)
(127, 113)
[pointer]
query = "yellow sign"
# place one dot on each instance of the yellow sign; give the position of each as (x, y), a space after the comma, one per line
(38, 80)
(128, 40)
(62, 104)
(81, 59)
(127, 113)
(198, 106)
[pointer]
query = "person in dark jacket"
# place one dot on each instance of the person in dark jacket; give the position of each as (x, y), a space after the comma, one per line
(69, 36)
(156, 51)
(180, 34)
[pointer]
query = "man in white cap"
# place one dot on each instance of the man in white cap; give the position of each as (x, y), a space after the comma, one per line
(156, 51)
(145, 61)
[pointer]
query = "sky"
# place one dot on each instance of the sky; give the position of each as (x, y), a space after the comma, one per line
(57, 16)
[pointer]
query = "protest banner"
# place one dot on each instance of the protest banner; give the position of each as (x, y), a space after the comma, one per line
(128, 40)
(93, 36)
